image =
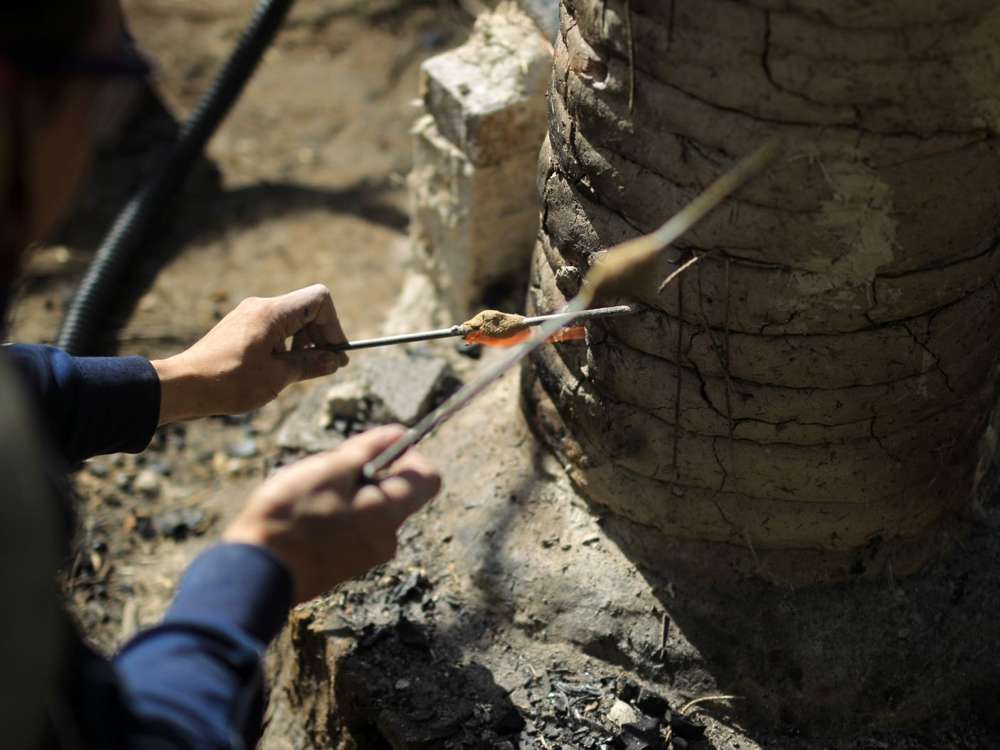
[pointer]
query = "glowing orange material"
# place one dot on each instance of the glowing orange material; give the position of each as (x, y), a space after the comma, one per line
(574, 333)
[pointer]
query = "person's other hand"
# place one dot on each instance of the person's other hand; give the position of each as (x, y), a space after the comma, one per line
(245, 361)
(318, 518)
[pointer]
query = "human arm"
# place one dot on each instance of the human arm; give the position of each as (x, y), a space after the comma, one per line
(311, 526)
(244, 362)
(87, 406)
(94, 405)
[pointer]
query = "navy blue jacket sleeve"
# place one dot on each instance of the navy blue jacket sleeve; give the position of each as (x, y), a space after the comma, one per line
(90, 405)
(195, 680)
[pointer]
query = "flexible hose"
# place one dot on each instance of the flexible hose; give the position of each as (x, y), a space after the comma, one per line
(99, 287)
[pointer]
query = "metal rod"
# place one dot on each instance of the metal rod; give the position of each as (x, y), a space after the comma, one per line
(468, 392)
(403, 338)
(597, 312)
(461, 330)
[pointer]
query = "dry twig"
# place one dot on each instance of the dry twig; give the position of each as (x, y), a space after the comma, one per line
(679, 374)
(706, 699)
(631, 55)
(677, 272)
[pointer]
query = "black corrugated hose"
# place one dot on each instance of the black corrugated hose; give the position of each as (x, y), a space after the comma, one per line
(99, 287)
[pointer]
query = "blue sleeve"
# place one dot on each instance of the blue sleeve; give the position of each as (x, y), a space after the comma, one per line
(198, 674)
(90, 405)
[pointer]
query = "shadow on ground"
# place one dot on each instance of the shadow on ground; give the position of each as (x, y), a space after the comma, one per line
(202, 210)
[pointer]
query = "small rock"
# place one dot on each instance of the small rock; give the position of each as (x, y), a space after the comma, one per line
(652, 704)
(685, 728)
(629, 741)
(178, 524)
(162, 468)
(646, 727)
(302, 430)
(246, 448)
(144, 527)
(410, 589)
(402, 684)
(343, 401)
(508, 720)
(148, 483)
(123, 481)
(404, 383)
(177, 436)
(626, 689)
(412, 635)
(472, 351)
(621, 713)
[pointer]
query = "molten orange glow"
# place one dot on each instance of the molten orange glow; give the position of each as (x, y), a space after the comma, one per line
(575, 333)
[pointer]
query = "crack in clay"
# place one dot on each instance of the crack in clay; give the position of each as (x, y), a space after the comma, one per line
(588, 190)
(798, 388)
(835, 124)
(990, 246)
(762, 331)
(703, 389)
(693, 186)
(847, 505)
(853, 126)
(769, 74)
(875, 325)
(742, 440)
(880, 444)
(714, 498)
(818, 18)
(794, 341)
(977, 141)
(936, 364)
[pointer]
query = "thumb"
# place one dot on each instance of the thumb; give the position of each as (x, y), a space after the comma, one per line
(366, 446)
(312, 363)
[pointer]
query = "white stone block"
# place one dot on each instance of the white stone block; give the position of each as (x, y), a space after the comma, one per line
(471, 225)
(488, 96)
(473, 198)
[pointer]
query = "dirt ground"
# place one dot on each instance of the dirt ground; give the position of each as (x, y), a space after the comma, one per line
(304, 183)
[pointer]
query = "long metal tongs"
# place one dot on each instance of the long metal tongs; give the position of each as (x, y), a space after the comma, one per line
(462, 330)
(617, 263)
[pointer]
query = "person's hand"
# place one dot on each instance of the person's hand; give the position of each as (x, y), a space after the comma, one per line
(318, 518)
(244, 361)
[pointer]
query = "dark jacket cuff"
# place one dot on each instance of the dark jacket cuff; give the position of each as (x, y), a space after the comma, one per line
(124, 393)
(90, 405)
(235, 584)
